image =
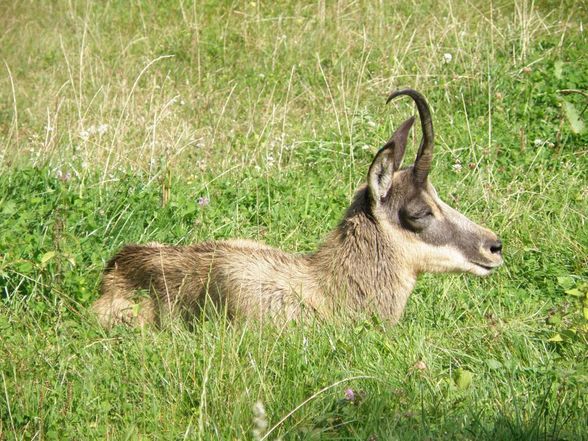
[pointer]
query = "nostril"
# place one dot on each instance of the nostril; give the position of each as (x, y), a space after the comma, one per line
(496, 247)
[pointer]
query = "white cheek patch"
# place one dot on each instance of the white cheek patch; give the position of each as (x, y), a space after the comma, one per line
(440, 259)
(424, 257)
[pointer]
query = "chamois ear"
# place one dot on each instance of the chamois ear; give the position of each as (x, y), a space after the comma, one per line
(387, 161)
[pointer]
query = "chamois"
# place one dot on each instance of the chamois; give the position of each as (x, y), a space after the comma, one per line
(395, 229)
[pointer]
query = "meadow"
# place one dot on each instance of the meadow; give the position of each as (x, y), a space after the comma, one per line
(179, 121)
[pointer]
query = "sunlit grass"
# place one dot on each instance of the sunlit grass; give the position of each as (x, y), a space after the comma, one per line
(133, 122)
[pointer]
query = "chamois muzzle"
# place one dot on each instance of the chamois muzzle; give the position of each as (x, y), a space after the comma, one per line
(496, 247)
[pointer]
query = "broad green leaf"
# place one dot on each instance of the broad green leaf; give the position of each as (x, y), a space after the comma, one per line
(573, 117)
(189, 210)
(556, 338)
(493, 364)
(566, 282)
(585, 312)
(554, 320)
(462, 378)
(47, 257)
(574, 292)
(558, 65)
(24, 267)
(9, 208)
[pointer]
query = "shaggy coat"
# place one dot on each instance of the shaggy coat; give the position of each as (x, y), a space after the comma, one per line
(395, 229)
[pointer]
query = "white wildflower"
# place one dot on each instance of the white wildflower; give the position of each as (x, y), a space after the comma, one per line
(259, 420)
(447, 57)
(457, 167)
(538, 142)
(102, 128)
(85, 134)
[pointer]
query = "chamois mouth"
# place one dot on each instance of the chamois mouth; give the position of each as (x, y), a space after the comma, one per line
(487, 267)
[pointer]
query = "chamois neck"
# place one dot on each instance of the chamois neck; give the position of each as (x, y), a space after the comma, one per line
(359, 267)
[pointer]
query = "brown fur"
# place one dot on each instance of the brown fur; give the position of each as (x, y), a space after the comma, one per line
(369, 264)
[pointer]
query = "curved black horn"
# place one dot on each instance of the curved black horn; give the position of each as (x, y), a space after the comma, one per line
(422, 163)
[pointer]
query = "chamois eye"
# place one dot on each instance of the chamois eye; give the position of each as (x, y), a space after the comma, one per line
(415, 218)
(421, 214)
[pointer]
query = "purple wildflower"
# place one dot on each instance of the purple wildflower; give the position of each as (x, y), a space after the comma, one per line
(63, 176)
(349, 395)
(203, 201)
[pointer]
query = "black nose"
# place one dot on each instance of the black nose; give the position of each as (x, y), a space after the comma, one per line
(496, 247)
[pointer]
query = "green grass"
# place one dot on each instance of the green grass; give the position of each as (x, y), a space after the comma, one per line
(274, 112)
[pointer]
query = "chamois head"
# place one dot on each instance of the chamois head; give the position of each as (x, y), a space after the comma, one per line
(429, 234)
